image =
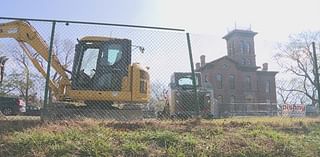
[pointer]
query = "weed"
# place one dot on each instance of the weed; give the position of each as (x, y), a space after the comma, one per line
(226, 137)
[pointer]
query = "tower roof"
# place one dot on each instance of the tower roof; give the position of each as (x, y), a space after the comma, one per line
(240, 32)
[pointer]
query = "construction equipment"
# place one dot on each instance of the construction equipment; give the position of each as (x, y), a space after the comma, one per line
(181, 100)
(102, 74)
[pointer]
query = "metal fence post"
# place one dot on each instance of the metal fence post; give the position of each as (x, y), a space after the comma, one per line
(193, 75)
(46, 91)
(316, 71)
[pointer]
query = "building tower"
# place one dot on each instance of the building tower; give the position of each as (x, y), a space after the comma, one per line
(240, 46)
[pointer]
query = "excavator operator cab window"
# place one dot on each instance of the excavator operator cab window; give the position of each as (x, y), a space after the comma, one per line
(112, 55)
(89, 61)
(101, 65)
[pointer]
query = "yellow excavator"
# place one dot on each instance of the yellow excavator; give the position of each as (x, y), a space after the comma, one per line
(102, 74)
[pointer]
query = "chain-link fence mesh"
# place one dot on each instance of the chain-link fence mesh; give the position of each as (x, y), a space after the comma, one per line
(97, 71)
(73, 88)
(108, 71)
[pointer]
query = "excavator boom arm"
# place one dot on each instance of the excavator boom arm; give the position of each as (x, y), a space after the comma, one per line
(23, 32)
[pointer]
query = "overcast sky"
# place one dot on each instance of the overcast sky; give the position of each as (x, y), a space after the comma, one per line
(274, 20)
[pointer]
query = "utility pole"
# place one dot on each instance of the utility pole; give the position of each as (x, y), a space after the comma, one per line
(316, 71)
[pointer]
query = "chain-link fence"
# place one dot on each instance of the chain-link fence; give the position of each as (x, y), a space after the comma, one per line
(109, 71)
(71, 88)
(96, 70)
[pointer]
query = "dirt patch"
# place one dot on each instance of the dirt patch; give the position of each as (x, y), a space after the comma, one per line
(126, 126)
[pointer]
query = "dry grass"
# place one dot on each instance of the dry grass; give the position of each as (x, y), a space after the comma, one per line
(241, 136)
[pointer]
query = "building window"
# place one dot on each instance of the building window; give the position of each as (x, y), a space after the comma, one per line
(268, 101)
(232, 48)
(243, 61)
(248, 82)
(220, 99)
(242, 47)
(219, 81)
(206, 78)
(248, 61)
(268, 87)
(249, 99)
(232, 81)
(232, 99)
(247, 48)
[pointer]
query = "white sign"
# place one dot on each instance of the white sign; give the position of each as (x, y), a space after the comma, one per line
(294, 110)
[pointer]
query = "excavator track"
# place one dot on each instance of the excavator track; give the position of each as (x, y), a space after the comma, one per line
(66, 111)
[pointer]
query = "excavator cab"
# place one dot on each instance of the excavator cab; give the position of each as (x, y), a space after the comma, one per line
(101, 63)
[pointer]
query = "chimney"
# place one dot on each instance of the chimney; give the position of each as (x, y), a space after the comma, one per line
(197, 66)
(265, 67)
(202, 60)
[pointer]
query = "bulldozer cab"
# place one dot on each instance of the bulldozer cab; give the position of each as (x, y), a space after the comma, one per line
(183, 80)
(181, 101)
(100, 63)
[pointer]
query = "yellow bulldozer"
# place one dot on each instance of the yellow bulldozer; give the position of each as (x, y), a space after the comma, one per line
(102, 74)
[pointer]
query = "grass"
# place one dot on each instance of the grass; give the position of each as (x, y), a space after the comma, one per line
(268, 136)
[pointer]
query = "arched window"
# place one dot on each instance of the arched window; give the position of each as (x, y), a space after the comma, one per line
(206, 78)
(268, 86)
(232, 48)
(248, 61)
(243, 61)
(242, 47)
(229, 48)
(232, 99)
(232, 81)
(248, 82)
(247, 48)
(220, 99)
(219, 81)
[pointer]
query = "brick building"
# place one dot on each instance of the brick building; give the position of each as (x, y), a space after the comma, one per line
(236, 78)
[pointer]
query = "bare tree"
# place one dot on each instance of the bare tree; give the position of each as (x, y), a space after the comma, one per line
(8, 85)
(64, 50)
(158, 92)
(30, 82)
(296, 59)
(23, 60)
(287, 94)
